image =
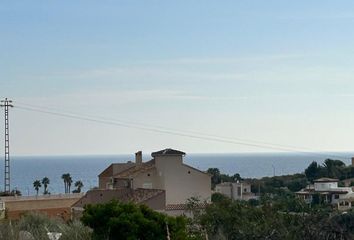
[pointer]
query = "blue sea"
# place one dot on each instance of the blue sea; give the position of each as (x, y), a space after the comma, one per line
(26, 169)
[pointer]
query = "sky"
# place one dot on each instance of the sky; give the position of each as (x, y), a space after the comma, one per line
(277, 72)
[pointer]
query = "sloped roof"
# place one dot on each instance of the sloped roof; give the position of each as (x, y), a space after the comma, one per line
(196, 169)
(168, 151)
(326, 180)
(115, 168)
(184, 206)
(327, 191)
(98, 196)
(129, 170)
(136, 169)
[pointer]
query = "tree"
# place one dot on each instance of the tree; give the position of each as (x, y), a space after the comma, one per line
(236, 177)
(131, 221)
(215, 176)
(45, 182)
(333, 167)
(65, 177)
(78, 185)
(218, 197)
(69, 182)
(37, 184)
(312, 171)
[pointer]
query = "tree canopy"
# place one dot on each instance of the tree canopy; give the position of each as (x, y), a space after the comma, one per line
(279, 217)
(130, 221)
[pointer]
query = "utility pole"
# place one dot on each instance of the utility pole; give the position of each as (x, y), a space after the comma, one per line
(6, 104)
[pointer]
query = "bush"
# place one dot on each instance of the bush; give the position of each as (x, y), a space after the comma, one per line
(36, 226)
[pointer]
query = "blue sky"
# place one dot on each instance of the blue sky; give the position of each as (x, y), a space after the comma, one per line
(273, 71)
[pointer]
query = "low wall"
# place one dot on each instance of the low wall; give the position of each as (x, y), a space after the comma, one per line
(53, 206)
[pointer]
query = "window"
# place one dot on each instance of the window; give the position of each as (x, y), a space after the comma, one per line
(148, 174)
(245, 190)
(147, 185)
(189, 172)
(239, 191)
(336, 196)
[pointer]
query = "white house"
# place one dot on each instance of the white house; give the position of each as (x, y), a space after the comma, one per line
(236, 191)
(329, 191)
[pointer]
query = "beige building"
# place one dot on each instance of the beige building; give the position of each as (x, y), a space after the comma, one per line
(236, 191)
(165, 171)
(52, 205)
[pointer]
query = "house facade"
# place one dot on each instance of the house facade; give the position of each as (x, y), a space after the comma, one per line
(165, 171)
(236, 191)
(328, 191)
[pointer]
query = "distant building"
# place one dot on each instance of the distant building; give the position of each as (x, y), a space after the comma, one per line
(349, 182)
(329, 192)
(236, 191)
(165, 172)
(58, 205)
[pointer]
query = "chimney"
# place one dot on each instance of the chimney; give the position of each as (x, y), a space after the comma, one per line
(139, 157)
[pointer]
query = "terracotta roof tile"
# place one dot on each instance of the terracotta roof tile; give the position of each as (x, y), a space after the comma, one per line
(138, 195)
(170, 207)
(167, 151)
(136, 169)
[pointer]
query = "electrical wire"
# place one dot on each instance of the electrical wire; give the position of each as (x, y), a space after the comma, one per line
(287, 147)
(189, 134)
(175, 130)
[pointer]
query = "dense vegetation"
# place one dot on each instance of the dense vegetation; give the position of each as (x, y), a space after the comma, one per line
(129, 221)
(275, 217)
(294, 182)
(36, 226)
(331, 169)
(283, 217)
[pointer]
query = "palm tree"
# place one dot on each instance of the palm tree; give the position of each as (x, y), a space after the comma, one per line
(45, 182)
(37, 184)
(69, 182)
(333, 167)
(78, 185)
(65, 177)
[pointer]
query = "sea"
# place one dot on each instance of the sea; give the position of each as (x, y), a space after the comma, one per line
(26, 169)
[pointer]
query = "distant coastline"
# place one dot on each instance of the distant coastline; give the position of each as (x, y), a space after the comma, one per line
(26, 169)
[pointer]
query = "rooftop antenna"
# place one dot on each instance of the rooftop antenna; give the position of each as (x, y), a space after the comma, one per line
(6, 104)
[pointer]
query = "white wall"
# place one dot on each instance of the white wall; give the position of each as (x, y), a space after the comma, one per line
(224, 189)
(324, 186)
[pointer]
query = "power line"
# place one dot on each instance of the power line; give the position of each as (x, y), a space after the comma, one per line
(295, 148)
(189, 134)
(263, 143)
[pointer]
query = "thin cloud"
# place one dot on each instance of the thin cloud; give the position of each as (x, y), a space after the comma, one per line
(228, 60)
